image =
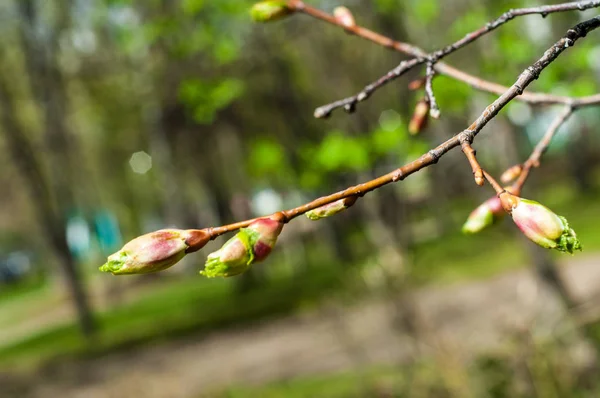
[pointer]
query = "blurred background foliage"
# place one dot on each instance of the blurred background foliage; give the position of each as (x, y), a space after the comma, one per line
(119, 117)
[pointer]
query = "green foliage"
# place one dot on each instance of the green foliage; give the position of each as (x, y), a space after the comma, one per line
(340, 152)
(426, 11)
(192, 7)
(469, 21)
(267, 157)
(451, 95)
(205, 98)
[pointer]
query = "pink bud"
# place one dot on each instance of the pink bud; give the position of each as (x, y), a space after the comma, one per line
(544, 227)
(152, 252)
(484, 215)
(249, 245)
(265, 231)
(344, 16)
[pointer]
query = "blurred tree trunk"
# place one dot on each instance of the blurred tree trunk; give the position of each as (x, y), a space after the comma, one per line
(51, 222)
(49, 91)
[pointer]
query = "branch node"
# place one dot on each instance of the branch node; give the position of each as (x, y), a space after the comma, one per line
(398, 175)
(350, 107)
(519, 89)
(436, 154)
(466, 136)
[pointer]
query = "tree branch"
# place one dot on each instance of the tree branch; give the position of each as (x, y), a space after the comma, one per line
(421, 56)
(525, 78)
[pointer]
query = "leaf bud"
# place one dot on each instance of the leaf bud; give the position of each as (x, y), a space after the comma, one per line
(248, 246)
(484, 215)
(270, 10)
(331, 209)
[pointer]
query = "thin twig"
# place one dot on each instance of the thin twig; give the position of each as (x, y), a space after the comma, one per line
(497, 187)
(349, 103)
(421, 56)
(431, 157)
(470, 154)
(542, 146)
(434, 110)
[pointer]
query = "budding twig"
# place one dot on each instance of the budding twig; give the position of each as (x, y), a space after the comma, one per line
(469, 152)
(349, 103)
(542, 146)
(420, 56)
(432, 156)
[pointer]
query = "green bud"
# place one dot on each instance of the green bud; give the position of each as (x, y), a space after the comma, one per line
(483, 216)
(248, 246)
(233, 258)
(331, 208)
(267, 11)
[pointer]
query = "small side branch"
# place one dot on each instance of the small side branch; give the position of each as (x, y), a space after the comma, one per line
(349, 103)
(420, 56)
(434, 110)
(542, 147)
(469, 152)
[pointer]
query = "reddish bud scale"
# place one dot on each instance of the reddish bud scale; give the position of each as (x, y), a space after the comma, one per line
(196, 239)
(261, 251)
(416, 84)
(419, 118)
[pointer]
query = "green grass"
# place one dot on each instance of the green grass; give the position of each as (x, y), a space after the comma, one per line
(172, 309)
(21, 289)
(341, 385)
(177, 306)
(543, 364)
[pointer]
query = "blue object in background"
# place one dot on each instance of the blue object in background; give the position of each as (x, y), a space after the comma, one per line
(108, 232)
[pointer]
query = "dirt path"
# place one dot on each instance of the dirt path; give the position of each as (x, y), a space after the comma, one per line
(470, 317)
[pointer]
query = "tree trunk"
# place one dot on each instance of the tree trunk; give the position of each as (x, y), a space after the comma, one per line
(53, 225)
